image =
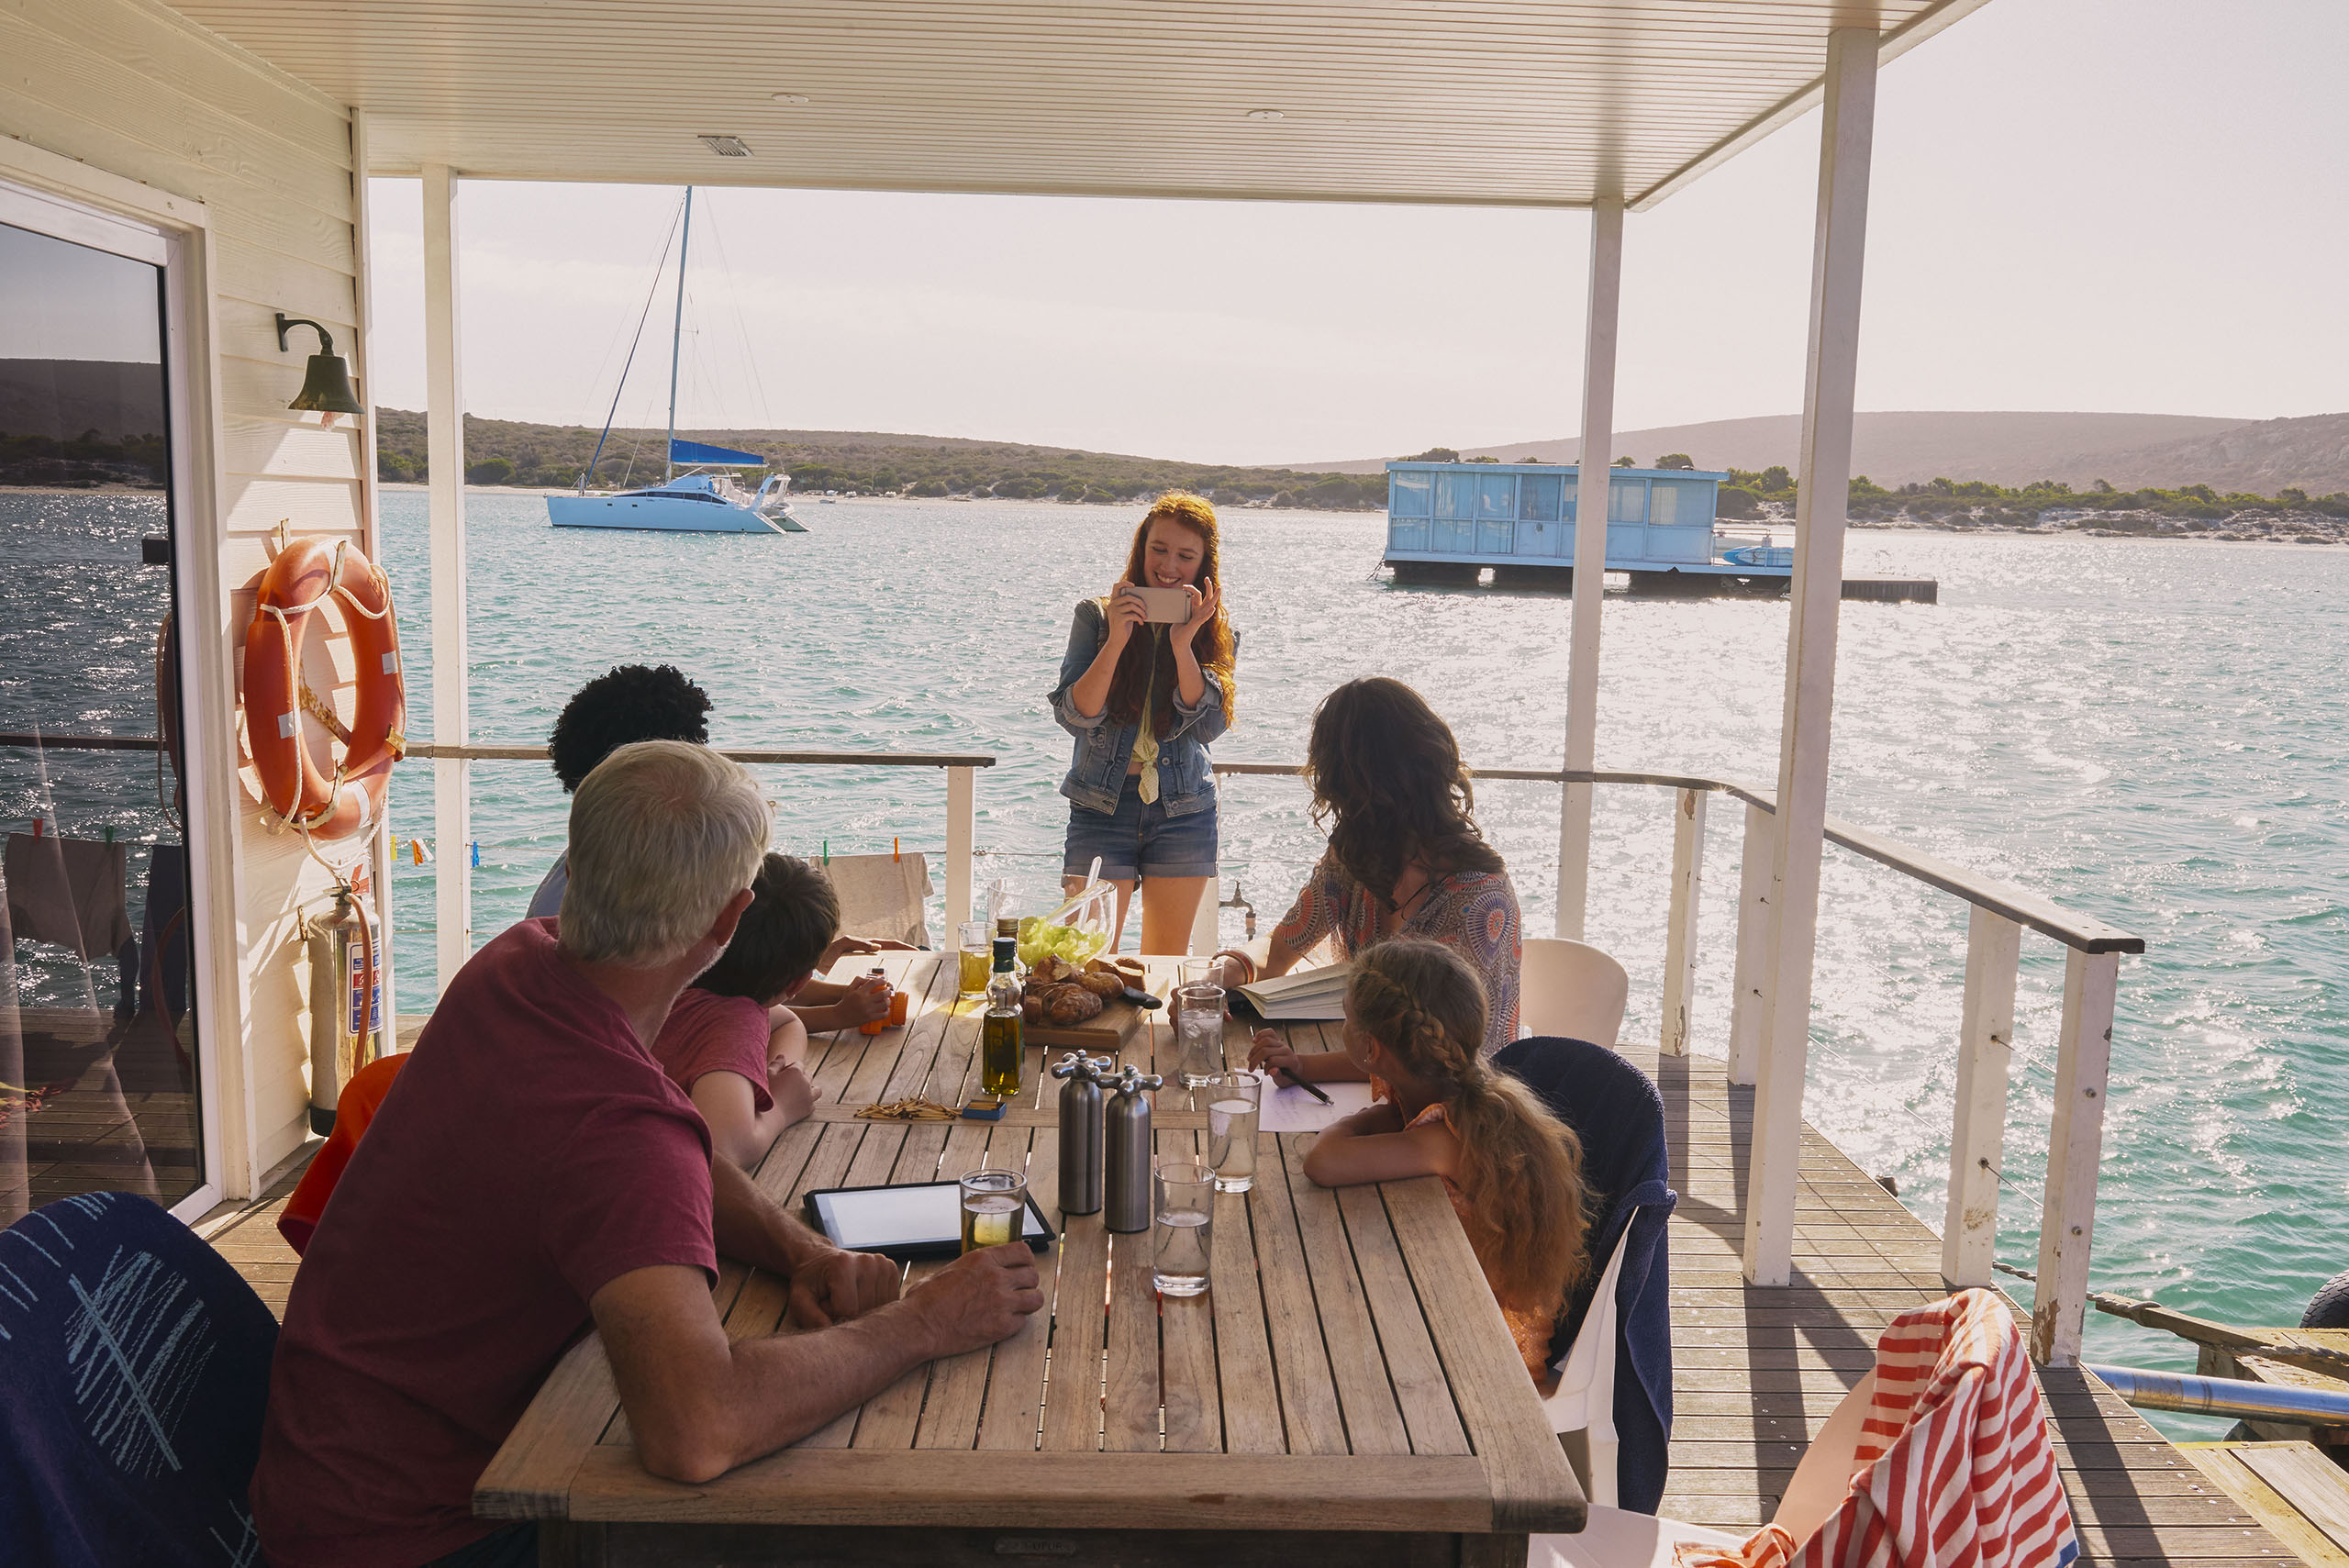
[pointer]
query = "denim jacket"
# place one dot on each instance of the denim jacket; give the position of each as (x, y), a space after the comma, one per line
(1097, 770)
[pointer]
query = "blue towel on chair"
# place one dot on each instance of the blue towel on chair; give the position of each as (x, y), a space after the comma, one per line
(1619, 1115)
(134, 1365)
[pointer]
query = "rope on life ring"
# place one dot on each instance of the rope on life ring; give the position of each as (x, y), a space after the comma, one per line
(303, 577)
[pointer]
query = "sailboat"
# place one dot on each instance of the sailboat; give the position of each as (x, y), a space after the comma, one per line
(705, 498)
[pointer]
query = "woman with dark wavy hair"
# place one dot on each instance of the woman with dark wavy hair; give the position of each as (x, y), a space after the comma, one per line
(1406, 859)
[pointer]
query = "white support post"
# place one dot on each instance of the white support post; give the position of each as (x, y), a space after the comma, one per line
(1977, 1136)
(444, 440)
(1749, 1013)
(384, 854)
(2075, 1146)
(1589, 558)
(1849, 116)
(961, 827)
(1680, 925)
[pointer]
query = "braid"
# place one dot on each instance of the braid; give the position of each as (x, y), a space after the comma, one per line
(1520, 1174)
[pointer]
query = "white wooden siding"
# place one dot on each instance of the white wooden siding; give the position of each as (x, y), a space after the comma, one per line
(136, 90)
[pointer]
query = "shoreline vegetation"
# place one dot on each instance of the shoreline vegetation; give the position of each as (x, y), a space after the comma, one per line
(512, 454)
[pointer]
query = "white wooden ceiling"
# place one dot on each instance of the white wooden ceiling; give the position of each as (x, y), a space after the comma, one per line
(1508, 102)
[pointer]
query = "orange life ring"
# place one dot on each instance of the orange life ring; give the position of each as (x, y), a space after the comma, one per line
(304, 575)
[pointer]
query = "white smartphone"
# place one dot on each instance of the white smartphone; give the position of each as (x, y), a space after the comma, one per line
(1170, 606)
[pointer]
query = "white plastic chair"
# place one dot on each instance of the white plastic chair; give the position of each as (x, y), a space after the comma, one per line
(1584, 1401)
(1571, 989)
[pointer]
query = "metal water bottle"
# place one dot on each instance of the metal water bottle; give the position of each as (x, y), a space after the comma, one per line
(346, 1007)
(1126, 1154)
(1081, 1100)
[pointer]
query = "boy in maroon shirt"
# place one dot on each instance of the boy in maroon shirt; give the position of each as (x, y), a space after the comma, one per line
(533, 1173)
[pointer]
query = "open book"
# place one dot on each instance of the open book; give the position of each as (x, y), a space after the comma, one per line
(1312, 993)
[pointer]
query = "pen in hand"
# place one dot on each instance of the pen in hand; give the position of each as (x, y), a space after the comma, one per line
(1311, 1089)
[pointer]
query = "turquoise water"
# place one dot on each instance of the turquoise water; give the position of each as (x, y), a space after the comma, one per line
(2152, 733)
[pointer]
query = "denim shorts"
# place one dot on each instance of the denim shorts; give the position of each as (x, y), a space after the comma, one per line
(1139, 839)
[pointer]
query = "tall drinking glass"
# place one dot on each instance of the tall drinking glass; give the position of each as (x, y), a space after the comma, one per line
(994, 1198)
(1185, 1221)
(975, 948)
(1198, 1033)
(1231, 1099)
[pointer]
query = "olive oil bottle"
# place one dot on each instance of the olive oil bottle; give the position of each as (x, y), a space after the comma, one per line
(1000, 1043)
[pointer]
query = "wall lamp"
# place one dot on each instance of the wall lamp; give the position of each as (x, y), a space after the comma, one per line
(325, 389)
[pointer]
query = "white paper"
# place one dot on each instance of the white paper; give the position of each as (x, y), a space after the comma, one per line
(1291, 1109)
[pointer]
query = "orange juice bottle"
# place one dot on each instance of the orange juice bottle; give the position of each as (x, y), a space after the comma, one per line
(895, 1014)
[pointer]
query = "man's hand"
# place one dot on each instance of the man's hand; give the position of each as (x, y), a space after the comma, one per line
(980, 1298)
(835, 1285)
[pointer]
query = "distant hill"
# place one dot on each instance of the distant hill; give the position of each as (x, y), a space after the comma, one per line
(2012, 448)
(507, 451)
(64, 400)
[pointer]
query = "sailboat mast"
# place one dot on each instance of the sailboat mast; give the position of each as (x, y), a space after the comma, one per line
(676, 340)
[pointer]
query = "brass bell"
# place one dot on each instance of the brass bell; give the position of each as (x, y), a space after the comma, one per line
(326, 388)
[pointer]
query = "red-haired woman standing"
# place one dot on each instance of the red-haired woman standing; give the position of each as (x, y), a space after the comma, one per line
(1144, 699)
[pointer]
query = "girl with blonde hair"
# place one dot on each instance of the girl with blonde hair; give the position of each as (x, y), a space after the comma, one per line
(1415, 1012)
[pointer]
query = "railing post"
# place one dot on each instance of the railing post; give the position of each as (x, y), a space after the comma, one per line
(1680, 925)
(961, 828)
(1207, 924)
(2074, 1145)
(1977, 1135)
(1749, 1013)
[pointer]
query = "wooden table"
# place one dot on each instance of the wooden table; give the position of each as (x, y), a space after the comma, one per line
(1346, 1391)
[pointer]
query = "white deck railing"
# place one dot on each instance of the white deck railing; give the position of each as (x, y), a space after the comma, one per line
(1999, 915)
(961, 774)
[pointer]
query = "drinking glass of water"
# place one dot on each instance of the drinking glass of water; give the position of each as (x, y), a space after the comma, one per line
(994, 1199)
(1231, 1100)
(1184, 1222)
(1198, 1033)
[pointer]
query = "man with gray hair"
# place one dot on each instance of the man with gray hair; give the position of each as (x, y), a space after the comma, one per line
(534, 1172)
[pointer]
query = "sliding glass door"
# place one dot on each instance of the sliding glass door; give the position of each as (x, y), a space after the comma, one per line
(99, 1087)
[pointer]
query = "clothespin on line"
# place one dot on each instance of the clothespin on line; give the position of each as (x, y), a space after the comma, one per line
(420, 852)
(37, 826)
(893, 850)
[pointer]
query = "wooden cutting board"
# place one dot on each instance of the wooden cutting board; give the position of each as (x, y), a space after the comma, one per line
(1109, 1032)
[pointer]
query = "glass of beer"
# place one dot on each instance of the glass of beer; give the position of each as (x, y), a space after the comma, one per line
(1198, 1033)
(1231, 1099)
(975, 953)
(1183, 1230)
(994, 1197)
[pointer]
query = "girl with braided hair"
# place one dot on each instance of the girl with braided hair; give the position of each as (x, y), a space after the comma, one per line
(1415, 1012)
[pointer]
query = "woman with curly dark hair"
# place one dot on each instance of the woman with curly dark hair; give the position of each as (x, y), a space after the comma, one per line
(1406, 859)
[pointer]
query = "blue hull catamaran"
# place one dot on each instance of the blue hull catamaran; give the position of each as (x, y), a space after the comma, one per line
(202, 167)
(698, 501)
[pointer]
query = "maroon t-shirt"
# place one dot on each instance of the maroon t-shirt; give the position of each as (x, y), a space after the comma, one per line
(531, 1152)
(709, 1033)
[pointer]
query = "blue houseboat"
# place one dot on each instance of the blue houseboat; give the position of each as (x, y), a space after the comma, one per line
(1447, 521)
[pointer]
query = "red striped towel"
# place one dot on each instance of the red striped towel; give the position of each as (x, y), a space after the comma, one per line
(1955, 1467)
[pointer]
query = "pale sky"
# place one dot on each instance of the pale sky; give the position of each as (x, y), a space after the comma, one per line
(2092, 205)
